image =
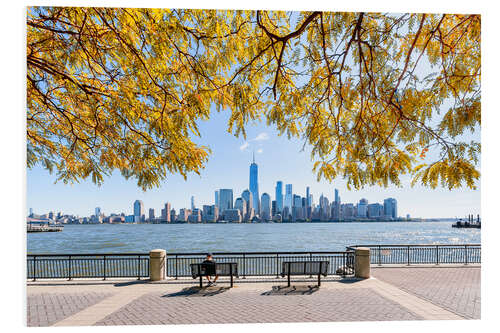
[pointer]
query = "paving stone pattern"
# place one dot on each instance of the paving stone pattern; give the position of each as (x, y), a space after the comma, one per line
(46, 309)
(455, 289)
(360, 304)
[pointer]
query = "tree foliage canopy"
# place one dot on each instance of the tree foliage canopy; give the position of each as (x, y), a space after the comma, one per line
(123, 89)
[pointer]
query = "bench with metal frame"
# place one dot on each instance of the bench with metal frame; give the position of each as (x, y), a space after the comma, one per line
(221, 269)
(305, 268)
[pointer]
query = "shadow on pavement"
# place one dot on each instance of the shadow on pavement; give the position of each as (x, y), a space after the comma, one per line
(198, 292)
(292, 290)
(130, 283)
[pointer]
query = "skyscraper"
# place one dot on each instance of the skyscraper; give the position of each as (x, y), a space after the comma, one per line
(265, 206)
(254, 185)
(166, 211)
(98, 211)
(192, 203)
(138, 209)
(247, 196)
(279, 196)
(362, 208)
(308, 201)
(217, 199)
(151, 214)
(391, 207)
(240, 204)
(225, 199)
(288, 197)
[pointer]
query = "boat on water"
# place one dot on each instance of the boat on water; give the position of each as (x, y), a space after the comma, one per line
(468, 223)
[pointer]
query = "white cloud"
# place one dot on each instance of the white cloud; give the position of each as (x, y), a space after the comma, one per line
(260, 151)
(244, 146)
(261, 137)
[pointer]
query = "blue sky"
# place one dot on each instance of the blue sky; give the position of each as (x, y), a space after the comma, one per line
(228, 167)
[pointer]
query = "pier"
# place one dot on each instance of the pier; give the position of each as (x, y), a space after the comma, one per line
(36, 227)
(469, 223)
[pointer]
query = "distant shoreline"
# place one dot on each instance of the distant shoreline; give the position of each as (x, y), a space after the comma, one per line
(270, 222)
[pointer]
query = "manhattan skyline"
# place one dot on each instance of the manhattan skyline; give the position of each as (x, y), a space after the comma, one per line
(278, 158)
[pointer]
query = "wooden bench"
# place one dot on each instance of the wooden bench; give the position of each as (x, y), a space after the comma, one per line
(221, 269)
(305, 268)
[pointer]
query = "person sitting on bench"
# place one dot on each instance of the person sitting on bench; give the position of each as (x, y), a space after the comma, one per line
(209, 264)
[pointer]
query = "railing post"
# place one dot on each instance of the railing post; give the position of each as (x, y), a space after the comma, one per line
(244, 266)
(104, 266)
(277, 265)
(379, 256)
(69, 268)
(34, 268)
(310, 259)
(176, 267)
(138, 267)
(157, 264)
(466, 256)
(408, 254)
(289, 273)
(437, 254)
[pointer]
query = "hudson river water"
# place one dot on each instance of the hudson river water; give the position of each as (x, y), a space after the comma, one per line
(120, 238)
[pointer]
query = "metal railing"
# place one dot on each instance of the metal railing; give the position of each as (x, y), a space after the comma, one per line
(424, 254)
(101, 265)
(261, 263)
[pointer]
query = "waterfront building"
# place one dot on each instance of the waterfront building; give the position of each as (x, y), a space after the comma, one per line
(247, 196)
(286, 216)
(391, 208)
(265, 202)
(374, 210)
(362, 208)
(166, 215)
(304, 208)
(241, 204)
(347, 211)
(116, 219)
(308, 203)
(273, 208)
(151, 214)
(297, 208)
(98, 211)
(217, 199)
(279, 196)
(324, 208)
(129, 218)
(183, 214)
(210, 213)
(95, 219)
(225, 199)
(336, 211)
(254, 185)
(173, 217)
(195, 216)
(288, 197)
(138, 209)
(232, 215)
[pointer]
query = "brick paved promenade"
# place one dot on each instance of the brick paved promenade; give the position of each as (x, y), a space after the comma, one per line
(393, 294)
(455, 289)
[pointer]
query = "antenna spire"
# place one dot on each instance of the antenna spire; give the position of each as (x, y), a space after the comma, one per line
(254, 156)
